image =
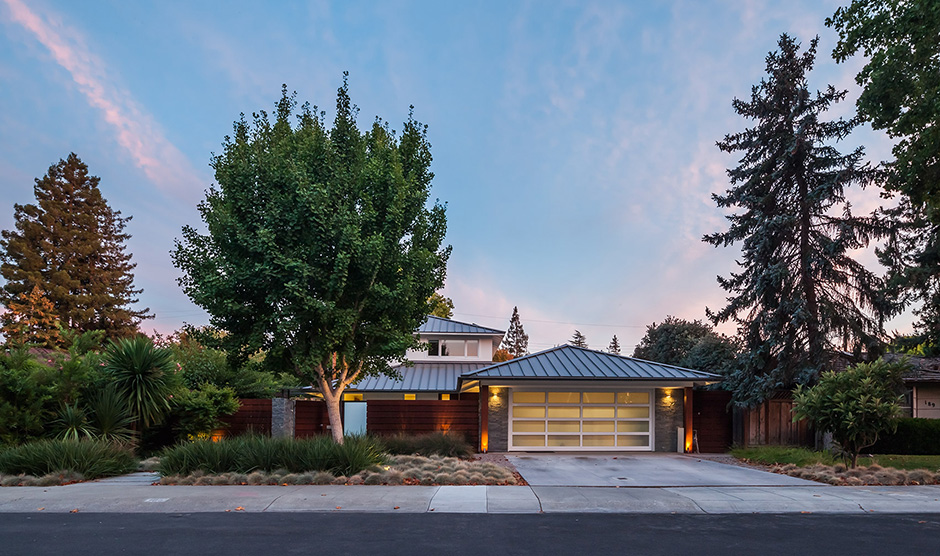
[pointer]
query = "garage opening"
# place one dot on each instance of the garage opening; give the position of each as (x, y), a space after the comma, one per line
(547, 420)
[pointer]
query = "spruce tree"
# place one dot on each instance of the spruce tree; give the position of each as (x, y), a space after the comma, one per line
(516, 341)
(71, 245)
(798, 294)
(614, 346)
(578, 340)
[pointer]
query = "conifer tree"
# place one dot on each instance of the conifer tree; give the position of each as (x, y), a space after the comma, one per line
(31, 320)
(516, 341)
(578, 340)
(798, 294)
(614, 346)
(71, 244)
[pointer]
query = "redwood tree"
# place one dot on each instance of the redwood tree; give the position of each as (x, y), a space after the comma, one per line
(322, 248)
(71, 244)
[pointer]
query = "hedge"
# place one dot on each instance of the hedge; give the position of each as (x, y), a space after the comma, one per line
(919, 437)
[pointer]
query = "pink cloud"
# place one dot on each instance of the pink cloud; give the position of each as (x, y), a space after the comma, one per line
(135, 130)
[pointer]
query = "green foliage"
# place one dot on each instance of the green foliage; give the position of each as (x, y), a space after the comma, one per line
(912, 436)
(614, 346)
(431, 444)
(690, 344)
(918, 345)
(321, 249)
(856, 405)
(516, 341)
(199, 411)
(92, 459)
(441, 306)
(110, 418)
(798, 294)
(201, 365)
(72, 423)
(71, 245)
(27, 396)
(771, 455)
(245, 454)
(901, 82)
(143, 375)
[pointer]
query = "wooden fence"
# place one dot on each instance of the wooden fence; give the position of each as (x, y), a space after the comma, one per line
(252, 416)
(424, 416)
(311, 418)
(771, 424)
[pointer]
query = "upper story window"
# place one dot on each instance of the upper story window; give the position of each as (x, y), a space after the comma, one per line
(454, 348)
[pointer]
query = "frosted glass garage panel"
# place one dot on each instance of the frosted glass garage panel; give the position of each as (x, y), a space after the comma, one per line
(563, 440)
(633, 440)
(528, 397)
(526, 440)
(633, 412)
(598, 426)
(633, 426)
(599, 412)
(564, 426)
(528, 412)
(599, 397)
(528, 426)
(564, 397)
(562, 412)
(606, 440)
(633, 398)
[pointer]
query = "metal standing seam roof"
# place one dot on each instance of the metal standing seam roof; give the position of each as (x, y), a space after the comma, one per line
(437, 325)
(570, 362)
(421, 377)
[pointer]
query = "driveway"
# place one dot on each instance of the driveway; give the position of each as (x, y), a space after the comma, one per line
(641, 470)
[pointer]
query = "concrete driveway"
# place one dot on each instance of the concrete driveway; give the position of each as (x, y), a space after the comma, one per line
(641, 470)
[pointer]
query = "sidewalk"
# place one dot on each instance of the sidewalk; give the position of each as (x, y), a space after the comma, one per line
(134, 494)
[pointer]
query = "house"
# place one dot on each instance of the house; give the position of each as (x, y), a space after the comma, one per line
(561, 399)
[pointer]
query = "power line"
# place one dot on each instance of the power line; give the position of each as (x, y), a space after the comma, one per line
(559, 322)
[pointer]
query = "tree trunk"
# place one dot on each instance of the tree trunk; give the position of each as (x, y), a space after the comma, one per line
(332, 398)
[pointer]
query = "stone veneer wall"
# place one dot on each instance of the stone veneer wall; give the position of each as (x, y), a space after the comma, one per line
(282, 417)
(498, 409)
(669, 417)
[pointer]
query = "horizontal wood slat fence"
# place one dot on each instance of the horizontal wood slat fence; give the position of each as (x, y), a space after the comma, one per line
(311, 418)
(712, 420)
(424, 416)
(253, 416)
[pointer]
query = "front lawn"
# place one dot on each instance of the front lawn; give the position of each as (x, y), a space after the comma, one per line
(804, 457)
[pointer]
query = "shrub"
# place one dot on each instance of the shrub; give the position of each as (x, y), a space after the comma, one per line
(856, 405)
(90, 458)
(913, 437)
(144, 376)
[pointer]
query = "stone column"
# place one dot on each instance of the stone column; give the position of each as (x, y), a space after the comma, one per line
(498, 419)
(669, 417)
(282, 417)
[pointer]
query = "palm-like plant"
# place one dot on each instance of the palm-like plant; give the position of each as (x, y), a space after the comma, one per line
(143, 375)
(110, 418)
(72, 423)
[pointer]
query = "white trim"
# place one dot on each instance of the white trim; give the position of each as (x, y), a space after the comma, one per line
(650, 420)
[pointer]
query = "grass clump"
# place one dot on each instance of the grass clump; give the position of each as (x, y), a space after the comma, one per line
(249, 454)
(431, 444)
(92, 459)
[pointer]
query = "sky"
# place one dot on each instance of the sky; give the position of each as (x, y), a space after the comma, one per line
(573, 142)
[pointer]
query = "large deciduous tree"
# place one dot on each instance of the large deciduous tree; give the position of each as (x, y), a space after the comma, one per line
(441, 306)
(799, 293)
(901, 85)
(516, 341)
(71, 245)
(690, 344)
(321, 248)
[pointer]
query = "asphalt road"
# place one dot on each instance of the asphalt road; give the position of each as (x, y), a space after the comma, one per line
(455, 534)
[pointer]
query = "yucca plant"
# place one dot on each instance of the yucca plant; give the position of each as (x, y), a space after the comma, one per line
(110, 420)
(72, 423)
(143, 375)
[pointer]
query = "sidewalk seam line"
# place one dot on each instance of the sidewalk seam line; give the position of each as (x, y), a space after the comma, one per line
(278, 497)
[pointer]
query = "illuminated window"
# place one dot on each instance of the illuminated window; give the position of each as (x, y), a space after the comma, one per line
(352, 397)
(410, 396)
(445, 396)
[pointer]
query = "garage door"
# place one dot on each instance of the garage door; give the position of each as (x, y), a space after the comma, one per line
(609, 420)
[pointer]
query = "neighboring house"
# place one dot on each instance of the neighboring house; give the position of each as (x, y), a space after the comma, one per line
(924, 382)
(561, 399)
